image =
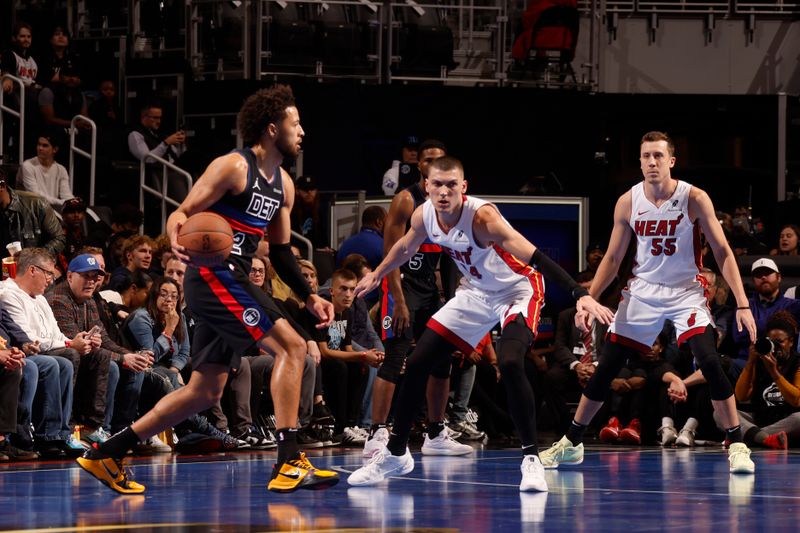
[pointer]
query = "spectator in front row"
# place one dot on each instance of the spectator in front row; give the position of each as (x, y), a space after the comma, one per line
(27, 218)
(23, 298)
(772, 383)
(11, 362)
(48, 381)
(43, 175)
(76, 310)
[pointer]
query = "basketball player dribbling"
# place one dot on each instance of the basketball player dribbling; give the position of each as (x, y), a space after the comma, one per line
(665, 216)
(250, 190)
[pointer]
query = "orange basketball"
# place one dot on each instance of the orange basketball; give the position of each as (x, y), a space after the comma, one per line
(207, 237)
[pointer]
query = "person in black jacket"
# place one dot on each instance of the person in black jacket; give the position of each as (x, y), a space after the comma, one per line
(29, 219)
(771, 382)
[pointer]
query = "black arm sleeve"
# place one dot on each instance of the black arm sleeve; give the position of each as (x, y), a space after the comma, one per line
(552, 271)
(286, 266)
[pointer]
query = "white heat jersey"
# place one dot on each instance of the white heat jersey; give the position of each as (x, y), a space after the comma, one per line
(489, 269)
(667, 241)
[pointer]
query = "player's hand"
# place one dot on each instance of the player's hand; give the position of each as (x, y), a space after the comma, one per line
(599, 312)
(401, 318)
(744, 320)
(322, 309)
(367, 284)
(178, 250)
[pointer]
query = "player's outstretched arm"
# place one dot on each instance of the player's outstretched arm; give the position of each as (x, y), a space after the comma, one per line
(401, 252)
(489, 227)
(702, 210)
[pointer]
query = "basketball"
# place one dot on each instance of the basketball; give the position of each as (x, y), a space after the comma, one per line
(207, 237)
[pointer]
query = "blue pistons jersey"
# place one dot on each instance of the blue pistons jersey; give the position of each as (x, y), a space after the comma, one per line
(250, 212)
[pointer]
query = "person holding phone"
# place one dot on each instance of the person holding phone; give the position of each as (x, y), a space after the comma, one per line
(76, 314)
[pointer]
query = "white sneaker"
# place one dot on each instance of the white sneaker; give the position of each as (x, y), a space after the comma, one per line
(667, 435)
(739, 458)
(379, 440)
(153, 445)
(382, 465)
(444, 444)
(532, 475)
(352, 437)
(686, 438)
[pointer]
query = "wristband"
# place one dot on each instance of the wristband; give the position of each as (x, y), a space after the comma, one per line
(743, 308)
(67, 343)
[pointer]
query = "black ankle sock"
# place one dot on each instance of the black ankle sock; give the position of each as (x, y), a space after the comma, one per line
(375, 427)
(434, 428)
(287, 444)
(396, 446)
(575, 433)
(533, 449)
(750, 434)
(118, 445)
(734, 434)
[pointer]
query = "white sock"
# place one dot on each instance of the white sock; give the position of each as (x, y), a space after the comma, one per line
(667, 422)
(691, 424)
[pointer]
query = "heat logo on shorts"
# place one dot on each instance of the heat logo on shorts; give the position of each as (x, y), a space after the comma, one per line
(251, 316)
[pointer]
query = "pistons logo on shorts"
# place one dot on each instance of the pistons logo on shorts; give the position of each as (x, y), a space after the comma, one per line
(251, 316)
(387, 322)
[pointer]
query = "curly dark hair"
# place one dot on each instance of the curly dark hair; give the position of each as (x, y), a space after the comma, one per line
(262, 108)
(784, 321)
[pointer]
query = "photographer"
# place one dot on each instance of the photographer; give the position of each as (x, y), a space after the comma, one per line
(771, 382)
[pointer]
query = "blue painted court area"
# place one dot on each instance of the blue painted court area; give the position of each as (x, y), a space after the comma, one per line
(615, 489)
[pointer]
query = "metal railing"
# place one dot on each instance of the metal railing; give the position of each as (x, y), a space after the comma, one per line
(91, 156)
(13, 112)
(162, 195)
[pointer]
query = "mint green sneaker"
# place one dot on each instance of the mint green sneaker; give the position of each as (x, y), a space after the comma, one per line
(562, 452)
(739, 458)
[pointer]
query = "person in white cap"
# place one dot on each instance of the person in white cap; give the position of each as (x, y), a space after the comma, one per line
(664, 216)
(766, 300)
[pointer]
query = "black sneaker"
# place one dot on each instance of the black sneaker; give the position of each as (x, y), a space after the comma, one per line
(307, 439)
(321, 415)
(17, 454)
(50, 449)
(256, 440)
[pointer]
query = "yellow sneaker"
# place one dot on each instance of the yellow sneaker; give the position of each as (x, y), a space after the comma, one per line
(299, 473)
(110, 471)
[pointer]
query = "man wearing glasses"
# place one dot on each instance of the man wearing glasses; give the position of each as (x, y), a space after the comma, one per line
(23, 300)
(76, 311)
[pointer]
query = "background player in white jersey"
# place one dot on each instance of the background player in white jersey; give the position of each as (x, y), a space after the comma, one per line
(497, 287)
(665, 216)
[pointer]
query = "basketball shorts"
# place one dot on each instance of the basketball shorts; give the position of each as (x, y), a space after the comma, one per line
(231, 314)
(421, 307)
(645, 306)
(465, 319)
